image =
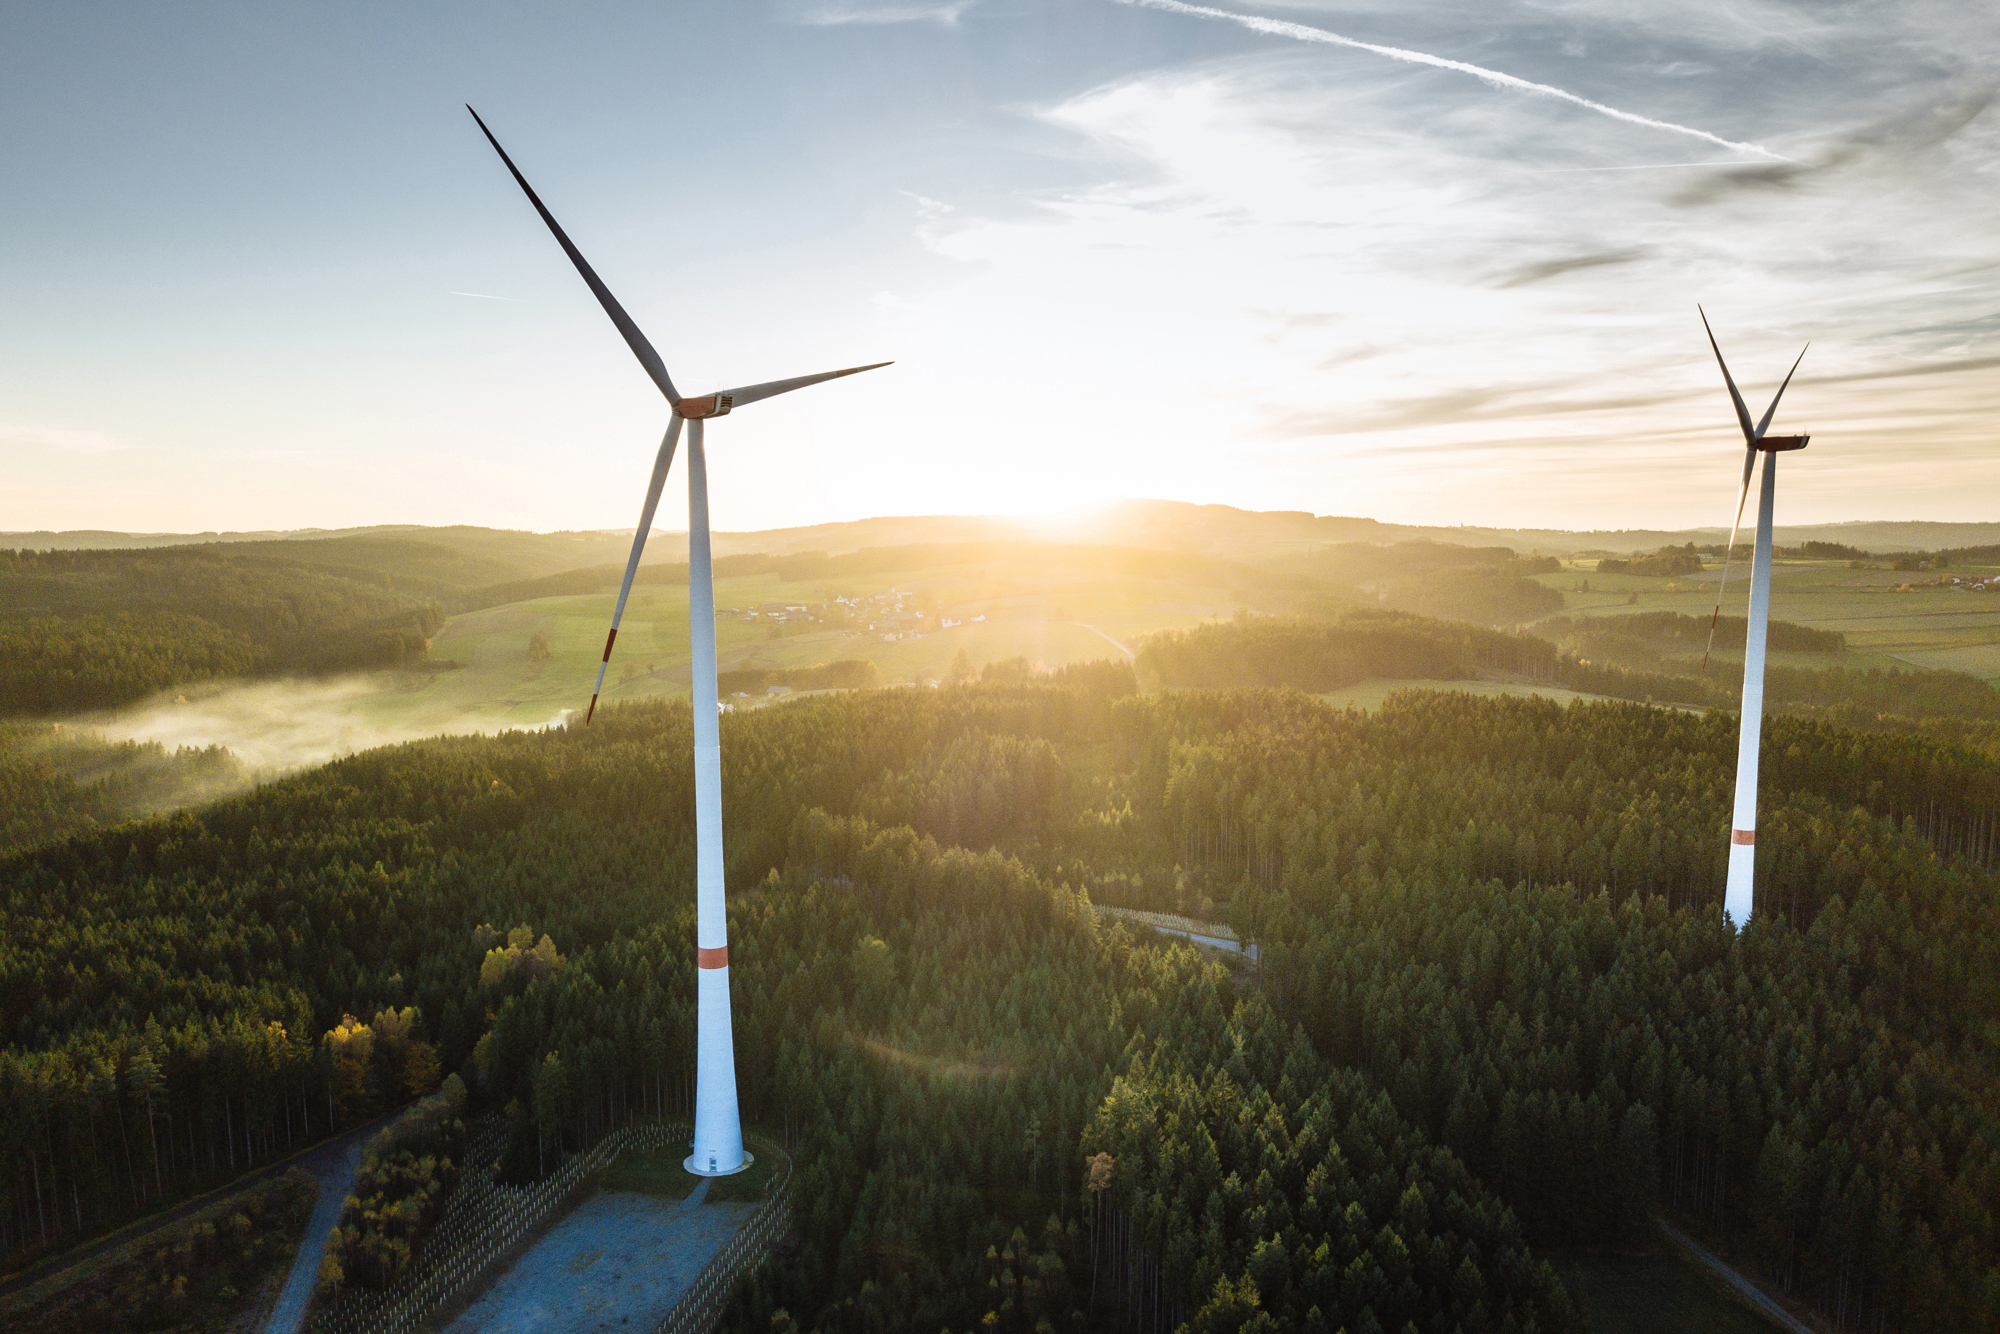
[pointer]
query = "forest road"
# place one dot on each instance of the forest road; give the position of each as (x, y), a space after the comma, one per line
(1770, 1309)
(333, 1165)
(135, 1231)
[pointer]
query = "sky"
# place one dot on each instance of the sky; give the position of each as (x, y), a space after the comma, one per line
(1424, 262)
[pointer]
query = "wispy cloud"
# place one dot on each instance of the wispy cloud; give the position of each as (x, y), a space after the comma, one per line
(930, 210)
(1301, 32)
(1892, 138)
(1555, 268)
(64, 438)
(830, 15)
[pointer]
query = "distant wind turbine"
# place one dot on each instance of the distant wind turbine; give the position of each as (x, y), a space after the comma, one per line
(718, 1129)
(1739, 895)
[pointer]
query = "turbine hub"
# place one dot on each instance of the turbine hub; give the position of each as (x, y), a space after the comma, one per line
(710, 405)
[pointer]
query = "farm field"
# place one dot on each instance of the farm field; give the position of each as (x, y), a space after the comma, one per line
(1892, 618)
(492, 682)
(1051, 610)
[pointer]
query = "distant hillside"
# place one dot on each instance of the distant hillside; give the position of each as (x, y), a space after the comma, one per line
(506, 553)
(1163, 524)
(87, 626)
(1223, 529)
(88, 629)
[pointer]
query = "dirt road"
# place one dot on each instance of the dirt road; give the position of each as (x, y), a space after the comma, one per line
(54, 1275)
(333, 1164)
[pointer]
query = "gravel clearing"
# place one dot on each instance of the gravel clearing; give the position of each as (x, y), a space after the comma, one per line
(619, 1262)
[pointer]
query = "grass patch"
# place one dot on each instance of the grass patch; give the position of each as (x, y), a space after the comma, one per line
(1656, 1293)
(659, 1172)
(651, 1172)
(746, 1187)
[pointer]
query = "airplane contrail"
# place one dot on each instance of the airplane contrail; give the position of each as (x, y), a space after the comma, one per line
(483, 296)
(1300, 32)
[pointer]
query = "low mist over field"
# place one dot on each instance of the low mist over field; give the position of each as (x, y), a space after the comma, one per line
(275, 726)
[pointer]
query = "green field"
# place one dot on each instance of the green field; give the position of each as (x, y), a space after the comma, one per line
(1892, 618)
(747, 1186)
(650, 1172)
(492, 682)
(659, 1172)
(1659, 1292)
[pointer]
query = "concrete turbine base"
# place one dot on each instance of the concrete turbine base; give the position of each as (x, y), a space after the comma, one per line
(744, 1166)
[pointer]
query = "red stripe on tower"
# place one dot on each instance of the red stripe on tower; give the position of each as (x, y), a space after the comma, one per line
(716, 958)
(1747, 837)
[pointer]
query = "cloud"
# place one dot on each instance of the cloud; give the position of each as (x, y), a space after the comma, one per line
(1888, 142)
(830, 14)
(66, 439)
(1554, 268)
(1959, 366)
(930, 210)
(1519, 401)
(1303, 33)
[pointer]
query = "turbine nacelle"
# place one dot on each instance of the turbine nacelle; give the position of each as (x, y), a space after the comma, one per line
(1779, 444)
(710, 405)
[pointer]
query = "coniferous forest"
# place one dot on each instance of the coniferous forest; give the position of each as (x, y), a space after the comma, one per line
(1498, 1009)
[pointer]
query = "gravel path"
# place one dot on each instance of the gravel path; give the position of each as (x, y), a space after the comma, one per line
(1771, 1310)
(77, 1263)
(619, 1262)
(334, 1166)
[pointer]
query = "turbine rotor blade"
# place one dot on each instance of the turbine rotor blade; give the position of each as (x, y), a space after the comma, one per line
(772, 388)
(1729, 552)
(1772, 411)
(661, 464)
(635, 340)
(1742, 412)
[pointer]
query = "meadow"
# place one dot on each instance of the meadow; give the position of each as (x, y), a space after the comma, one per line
(1891, 618)
(1053, 622)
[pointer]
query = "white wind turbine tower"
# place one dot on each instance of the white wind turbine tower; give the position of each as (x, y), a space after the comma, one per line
(1740, 894)
(718, 1129)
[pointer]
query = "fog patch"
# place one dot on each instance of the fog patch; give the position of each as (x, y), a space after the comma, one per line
(275, 727)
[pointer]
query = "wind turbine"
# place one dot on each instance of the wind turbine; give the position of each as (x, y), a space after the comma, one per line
(1739, 895)
(718, 1129)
